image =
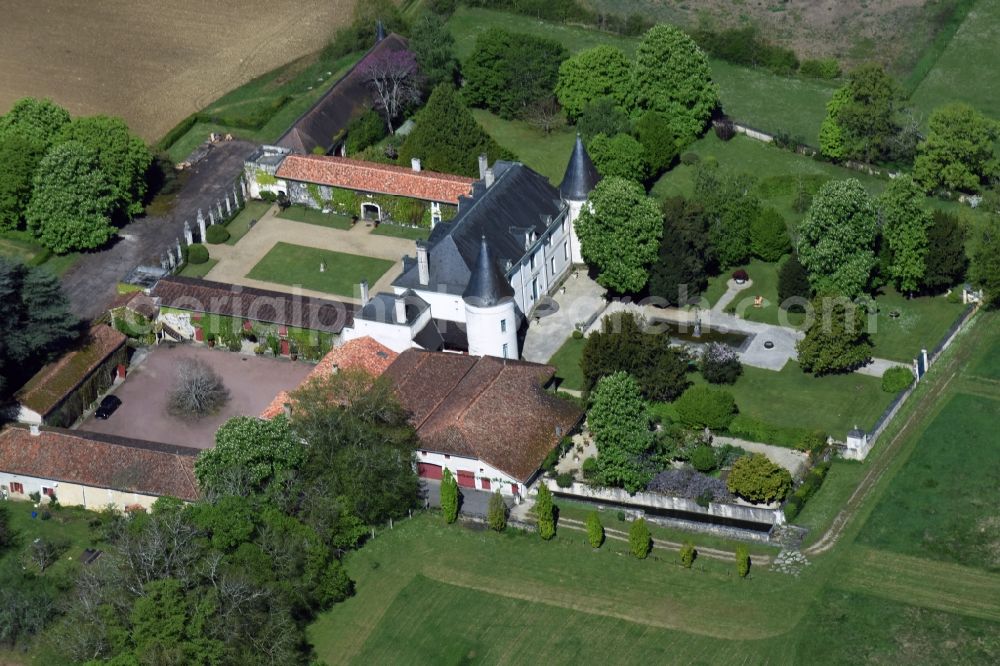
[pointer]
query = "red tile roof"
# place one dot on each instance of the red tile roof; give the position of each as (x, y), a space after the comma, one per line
(374, 177)
(485, 408)
(359, 354)
(136, 301)
(100, 461)
(47, 389)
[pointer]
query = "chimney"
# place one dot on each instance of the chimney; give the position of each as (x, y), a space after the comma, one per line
(488, 178)
(364, 292)
(400, 309)
(423, 264)
(415, 163)
(286, 409)
(483, 164)
(34, 430)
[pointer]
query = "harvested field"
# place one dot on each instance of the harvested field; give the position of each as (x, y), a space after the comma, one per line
(153, 63)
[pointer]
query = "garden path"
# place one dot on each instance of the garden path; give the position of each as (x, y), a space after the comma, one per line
(732, 291)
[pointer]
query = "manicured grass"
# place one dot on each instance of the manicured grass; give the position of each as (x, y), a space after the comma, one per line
(957, 75)
(567, 363)
(821, 508)
(921, 324)
(67, 524)
(198, 270)
(396, 231)
(548, 154)
(941, 504)
(317, 217)
(299, 265)
(21, 245)
(765, 283)
(240, 225)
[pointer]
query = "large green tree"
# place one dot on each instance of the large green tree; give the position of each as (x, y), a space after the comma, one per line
(38, 120)
(837, 239)
(946, 261)
(862, 117)
(447, 138)
(122, 157)
(19, 159)
(620, 233)
(904, 232)
(836, 338)
(769, 235)
(731, 208)
(258, 451)
(507, 72)
(619, 420)
(671, 75)
(680, 273)
(757, 479)
(984, 269)
(70, 200)
(602, 71)
(958, 152)
(654, 131)
(434, 46)
(602, 116)
(619, 155)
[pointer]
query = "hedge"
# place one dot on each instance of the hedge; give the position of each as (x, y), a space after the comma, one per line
(808, 487)
(896, 379)
(216, 234)
(751, 429)
(197, 254)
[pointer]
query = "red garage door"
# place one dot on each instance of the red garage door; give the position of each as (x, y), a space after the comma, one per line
(428, 471)
(466, 479)
(486, 484)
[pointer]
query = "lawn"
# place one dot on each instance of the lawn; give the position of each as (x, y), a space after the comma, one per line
(548, 154)
(942, 504)
(71, 525)
(567, 363)
(297, 265)
(240, 225)
(198, 270)
(317, 217)
(921, 324)
(765, 283)
(397, 231)
(754, 96)
(21, 245)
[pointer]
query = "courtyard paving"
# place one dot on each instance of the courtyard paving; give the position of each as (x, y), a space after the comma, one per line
(236, 261)
(579, 299)
(253, 381)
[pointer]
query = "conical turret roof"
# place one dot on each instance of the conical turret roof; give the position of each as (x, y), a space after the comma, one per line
(581, 175)
(488, 285)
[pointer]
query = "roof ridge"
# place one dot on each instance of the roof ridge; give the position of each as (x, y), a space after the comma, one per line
(496, 376)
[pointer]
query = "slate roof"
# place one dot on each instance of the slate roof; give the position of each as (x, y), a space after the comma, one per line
(518, 204)
(324, 123)
(54, 382)
(264, 305)
(382, 308)
(374, 177)
(581, 174)
(488, 284)
(100, 461)
(483, 407)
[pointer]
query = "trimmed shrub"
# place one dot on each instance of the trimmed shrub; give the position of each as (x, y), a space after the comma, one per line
(688, 554)
(810, 484)
(742, 561)
(590, 468)
(577, 335)
(216, 234)
(757, 479)
(564, 480)
(720, 364)
(197, 254)
(545, 511)
(640, 541)
(449, 497)
(595, 531)
(496, 514)
(896, 379)
(725, 130)
(703, 459)
(769, 236)
(704, 407)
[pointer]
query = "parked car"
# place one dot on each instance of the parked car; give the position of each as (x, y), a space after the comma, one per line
(108, 406)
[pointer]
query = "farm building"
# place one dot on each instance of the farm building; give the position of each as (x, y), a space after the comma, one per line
(62, 390)
(490, 421)
(93, 470)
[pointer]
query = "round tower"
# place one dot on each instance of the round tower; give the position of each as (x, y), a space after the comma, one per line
(581, 177)
(490, 317)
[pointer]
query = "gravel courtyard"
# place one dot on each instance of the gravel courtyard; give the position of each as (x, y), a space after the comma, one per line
(252, 382)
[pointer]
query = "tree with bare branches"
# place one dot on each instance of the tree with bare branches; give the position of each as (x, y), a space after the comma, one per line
(198, 390)
(393, 77)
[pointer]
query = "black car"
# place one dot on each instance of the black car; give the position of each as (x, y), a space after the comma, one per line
(108, 406)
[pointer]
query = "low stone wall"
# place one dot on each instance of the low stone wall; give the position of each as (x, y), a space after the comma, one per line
(645, 500)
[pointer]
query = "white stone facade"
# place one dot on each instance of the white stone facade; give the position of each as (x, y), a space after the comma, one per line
(486, 477)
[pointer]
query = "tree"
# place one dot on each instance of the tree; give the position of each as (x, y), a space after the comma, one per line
(363, 131)
(602, 71)
(70, 200)
(19, 159)
(731, 209)
(837, 239)
(620, 156)
(508, 71)
(984, 269)
(620, 233)
(742, 560)
(769, 236)
(757, 479)
(671, 75)
(831, 134)
(602, 116)
(447, 138)
(640, 541)
(258, 450)
(496, 514)
(393, 79)
(38, 120)
(544, 114)
(793, 285)
(8, 536)
(545, 513)
(449, 496)
(861, 121)
(688, 554)
(836, 339)
(958, 153)
(686, 255)
(720, 364)
(704, 407)
(198, 390)
(434, 47)
(620, 424)
(946, 262)
(595, 531)
(653, 130)
(36, 323)
(904, 231)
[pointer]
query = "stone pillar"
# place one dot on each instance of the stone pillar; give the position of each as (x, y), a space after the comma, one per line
(236, 196)
(180, 254)
(201, 229)
(243, 187)
(170, 259)
(221, 216)
(211, 217)
(188, 236)
(164, 264)
(201, 220)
